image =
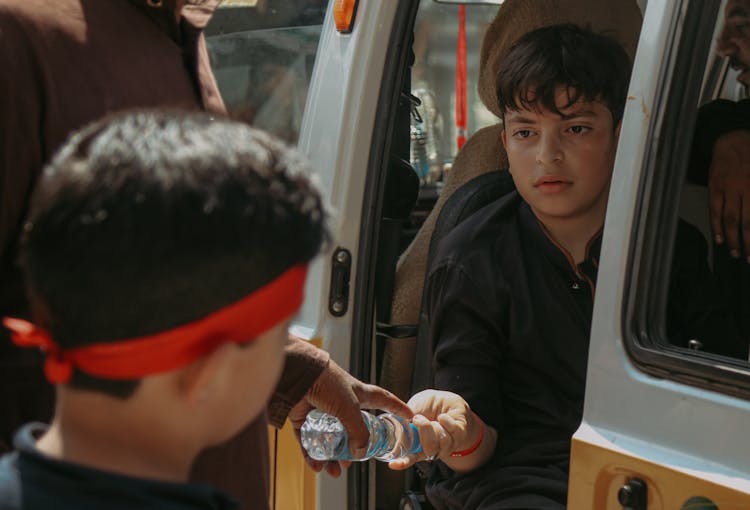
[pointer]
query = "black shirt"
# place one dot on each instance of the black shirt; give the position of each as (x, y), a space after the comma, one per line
(30, 480)
(716, 119)
(510, 317)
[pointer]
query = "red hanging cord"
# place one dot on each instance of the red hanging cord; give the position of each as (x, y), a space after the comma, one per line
(461, 101)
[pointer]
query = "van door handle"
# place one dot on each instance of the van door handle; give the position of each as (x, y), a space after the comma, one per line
(338, 297)
(633, 495)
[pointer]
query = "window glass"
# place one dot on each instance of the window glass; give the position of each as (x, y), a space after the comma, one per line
(701, 299)
(433, 129)
(262, 53)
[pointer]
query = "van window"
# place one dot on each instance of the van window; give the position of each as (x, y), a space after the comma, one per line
(690, 311)
(433, 80)
(433, 130)
(262, 53)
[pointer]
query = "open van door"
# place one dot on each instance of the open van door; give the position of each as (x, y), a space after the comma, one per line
(366, 89)
(312, 73)
(665, 426)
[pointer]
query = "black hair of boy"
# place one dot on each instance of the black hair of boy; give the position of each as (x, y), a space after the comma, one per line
(593, 67)
(150, 220)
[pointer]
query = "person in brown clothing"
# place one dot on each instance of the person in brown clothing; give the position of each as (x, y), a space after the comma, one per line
(65, 64)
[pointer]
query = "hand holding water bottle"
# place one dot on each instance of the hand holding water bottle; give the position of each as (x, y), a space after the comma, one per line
(391, 437)
(338, 393)
(449, 431)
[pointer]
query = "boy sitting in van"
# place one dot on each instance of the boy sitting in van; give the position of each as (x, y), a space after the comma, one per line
(511, 289)
(166, 254)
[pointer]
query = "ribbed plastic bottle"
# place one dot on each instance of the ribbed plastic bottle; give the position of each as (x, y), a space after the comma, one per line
(391, 437)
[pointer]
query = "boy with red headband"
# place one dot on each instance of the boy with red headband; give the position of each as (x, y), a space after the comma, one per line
(166, 254)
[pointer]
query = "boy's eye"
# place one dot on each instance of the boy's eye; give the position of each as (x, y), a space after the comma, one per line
(522, 133)
(577, 130)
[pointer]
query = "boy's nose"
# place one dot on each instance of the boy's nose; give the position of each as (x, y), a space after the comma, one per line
(549, 150)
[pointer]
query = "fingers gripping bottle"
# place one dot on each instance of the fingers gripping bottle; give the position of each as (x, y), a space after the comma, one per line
(391, 437)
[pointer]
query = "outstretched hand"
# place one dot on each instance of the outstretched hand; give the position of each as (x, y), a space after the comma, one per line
(729, 192)
(338, 393)
(447, 425)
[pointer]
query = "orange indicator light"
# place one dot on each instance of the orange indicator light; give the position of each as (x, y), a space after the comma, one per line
(343, 13)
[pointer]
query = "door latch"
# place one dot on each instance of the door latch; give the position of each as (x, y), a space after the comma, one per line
(338, 297)
(633, 495)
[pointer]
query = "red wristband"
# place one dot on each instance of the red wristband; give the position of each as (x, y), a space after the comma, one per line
(472, 448)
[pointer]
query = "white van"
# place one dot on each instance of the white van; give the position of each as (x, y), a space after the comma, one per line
(368, 90)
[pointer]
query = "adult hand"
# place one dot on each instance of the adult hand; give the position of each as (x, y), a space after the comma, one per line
(336, 392)
(729, 192)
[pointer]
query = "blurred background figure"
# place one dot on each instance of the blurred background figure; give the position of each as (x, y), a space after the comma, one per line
(734, 40)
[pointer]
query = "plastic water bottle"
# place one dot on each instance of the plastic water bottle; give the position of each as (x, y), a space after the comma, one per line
(391, 437)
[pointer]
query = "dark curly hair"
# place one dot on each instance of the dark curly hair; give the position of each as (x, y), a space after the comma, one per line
(593, 67)
(152, 219)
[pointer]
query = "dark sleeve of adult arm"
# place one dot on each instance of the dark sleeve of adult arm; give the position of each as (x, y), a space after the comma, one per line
(696, 308)
(304, 364)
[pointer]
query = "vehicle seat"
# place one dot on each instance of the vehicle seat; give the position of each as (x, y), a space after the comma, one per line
(484, 152)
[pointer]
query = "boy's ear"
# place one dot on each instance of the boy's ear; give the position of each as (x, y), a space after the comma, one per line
(617, 131)
(204, 376)
(504, 138)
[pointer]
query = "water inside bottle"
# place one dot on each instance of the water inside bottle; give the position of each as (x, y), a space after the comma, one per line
(325, 438)
(397, 438)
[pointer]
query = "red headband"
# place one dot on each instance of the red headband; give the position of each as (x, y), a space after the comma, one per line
(240, 322)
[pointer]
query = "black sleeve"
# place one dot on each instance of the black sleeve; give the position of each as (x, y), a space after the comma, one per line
(467, 336)
(715, 119)
(696, 309)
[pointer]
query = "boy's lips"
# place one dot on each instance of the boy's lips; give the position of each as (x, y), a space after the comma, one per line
(549, 184)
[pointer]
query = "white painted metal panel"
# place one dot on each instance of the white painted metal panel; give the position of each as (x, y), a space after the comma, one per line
(336, 135)
(655, 419)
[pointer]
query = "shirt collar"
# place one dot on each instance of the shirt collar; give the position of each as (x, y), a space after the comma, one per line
(556, 253)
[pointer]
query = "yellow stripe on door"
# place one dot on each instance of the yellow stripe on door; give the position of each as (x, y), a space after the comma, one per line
(292, 481)
(597, 473)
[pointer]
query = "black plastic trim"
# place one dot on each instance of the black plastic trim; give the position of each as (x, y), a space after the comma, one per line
(396, 64)
(353, 22)
(650, 253)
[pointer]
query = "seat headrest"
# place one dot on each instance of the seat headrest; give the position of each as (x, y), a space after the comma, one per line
(619, 19)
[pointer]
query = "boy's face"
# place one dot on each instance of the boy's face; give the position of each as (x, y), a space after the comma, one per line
(562, 164)
(250, 379)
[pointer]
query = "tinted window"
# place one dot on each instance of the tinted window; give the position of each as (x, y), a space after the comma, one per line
(436, 38)
(691, 309)
(263, 52)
